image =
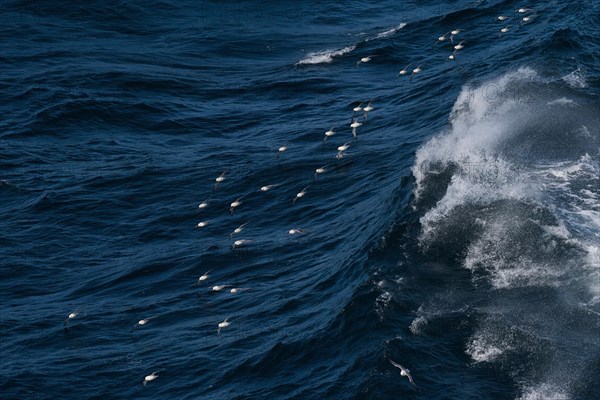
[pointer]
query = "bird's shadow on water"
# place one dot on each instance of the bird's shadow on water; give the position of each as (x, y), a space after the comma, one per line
(74, 330)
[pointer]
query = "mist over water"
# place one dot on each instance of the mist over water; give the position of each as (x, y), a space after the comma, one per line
(459, 235)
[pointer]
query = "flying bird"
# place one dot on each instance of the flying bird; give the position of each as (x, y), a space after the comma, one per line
(281, 150)
(355, 125)
(71, 316)
(151, 377)
(414, 72)
(329, 133)
(319, 171)
(367, 109)
(403, 372)
(222, 325)
(454, 33)
(141, 322)
(365, 60)
(441, 39)
(202, 278)
(404, 71)
(238, 229)
(219, 179)
(300, 194)
(235, 204)
(240, 242)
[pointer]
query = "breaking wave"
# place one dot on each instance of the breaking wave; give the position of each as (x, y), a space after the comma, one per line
(500, 195)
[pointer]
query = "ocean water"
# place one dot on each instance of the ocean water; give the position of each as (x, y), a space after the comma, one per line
(459, 234)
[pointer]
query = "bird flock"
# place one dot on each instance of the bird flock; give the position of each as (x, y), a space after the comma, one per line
(360, 116)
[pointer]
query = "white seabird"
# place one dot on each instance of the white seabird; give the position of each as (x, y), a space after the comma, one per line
(239, 229)
(365, 60)
(454, 33)
(367, 109)
(219, 179)
(202, 278)
(72, 315)
(355, 125)
(151, 377)
(441, 39)
(235, 204)
(414, 72)
(281, 150)
(328, 133)
(403, 371)
(141, 322)
(404, 71)
(222, 325)
(240, 242)
(300, 194)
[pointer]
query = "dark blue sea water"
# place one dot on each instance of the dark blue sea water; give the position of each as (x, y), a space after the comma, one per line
(458, 235)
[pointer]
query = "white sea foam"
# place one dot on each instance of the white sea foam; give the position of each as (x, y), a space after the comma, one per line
(484, 347)
(416, 326)
(484, 121)
(328, 56)
(481, 118)
(575, 79)
(584, 131)
(324, 57)
(563, 101)
(388, 32)
(381, 304)
(544, 391)
(514, 197)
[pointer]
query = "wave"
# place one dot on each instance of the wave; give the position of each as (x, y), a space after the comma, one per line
(387, 33)
(324, 57)
(501, 195)
(497, 187)
(327, 56)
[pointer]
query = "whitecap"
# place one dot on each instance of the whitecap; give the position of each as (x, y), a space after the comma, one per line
(485, 121)
(327, 56)
(387, 33)
(324, 57)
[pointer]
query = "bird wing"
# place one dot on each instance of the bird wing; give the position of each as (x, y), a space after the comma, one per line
(395, 364)
(410, 378)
